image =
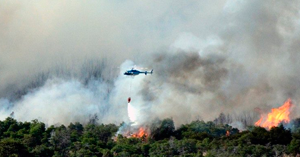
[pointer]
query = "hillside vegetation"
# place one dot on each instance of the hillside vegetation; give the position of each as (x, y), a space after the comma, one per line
(198, 138)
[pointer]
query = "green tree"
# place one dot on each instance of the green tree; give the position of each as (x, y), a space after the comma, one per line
(187, 146)
(163, 148)
(60, 141)
(279, 135)
(294, 146)
(259, 135)
(11, 147)
(76, 131)
(42, 151)
(162, 129)
(36, 131)
(8, 127)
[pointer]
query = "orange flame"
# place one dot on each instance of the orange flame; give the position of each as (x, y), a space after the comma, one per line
(276, 116)
(227, 133)
(141, 133)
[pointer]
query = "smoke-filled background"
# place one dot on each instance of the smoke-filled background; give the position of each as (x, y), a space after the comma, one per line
(63, 61)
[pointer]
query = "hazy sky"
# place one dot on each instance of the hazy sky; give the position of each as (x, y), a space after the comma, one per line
(36, 35)
(230, 53)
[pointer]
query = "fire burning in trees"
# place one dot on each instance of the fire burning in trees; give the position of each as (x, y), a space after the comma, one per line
(276, 116)
(134, 132)
(134, 129)
(141, 133)
(227, 133)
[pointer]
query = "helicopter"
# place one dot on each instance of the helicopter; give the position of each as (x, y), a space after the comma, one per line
(134, 72)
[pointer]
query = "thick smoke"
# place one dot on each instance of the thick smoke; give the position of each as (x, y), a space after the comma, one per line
(228, 56)
(61, 101)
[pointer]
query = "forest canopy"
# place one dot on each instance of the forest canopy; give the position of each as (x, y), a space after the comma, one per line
(197, 138)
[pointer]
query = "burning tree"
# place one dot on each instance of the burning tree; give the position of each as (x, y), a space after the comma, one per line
(276, 116)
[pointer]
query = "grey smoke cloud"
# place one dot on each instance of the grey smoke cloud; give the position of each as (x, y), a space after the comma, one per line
(208, 57)
(34, 36)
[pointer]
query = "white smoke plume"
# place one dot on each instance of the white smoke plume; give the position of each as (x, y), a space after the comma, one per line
(208, 57)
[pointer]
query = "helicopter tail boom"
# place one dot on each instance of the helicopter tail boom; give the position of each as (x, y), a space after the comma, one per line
(146, 72)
